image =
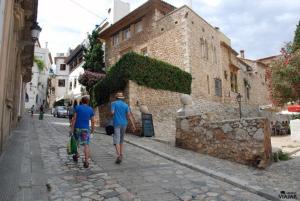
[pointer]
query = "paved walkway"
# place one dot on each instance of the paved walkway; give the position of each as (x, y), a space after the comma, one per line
(53, 175)
(281, 176)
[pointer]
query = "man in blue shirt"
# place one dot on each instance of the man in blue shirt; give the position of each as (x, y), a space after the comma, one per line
(81, 127)
(120, 112)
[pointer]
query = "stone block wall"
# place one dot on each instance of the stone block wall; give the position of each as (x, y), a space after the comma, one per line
(245, 141)
(161, 104)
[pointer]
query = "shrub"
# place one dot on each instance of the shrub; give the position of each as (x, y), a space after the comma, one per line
(144, 71)
(89, 79)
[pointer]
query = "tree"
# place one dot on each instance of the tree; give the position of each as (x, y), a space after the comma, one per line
(285, 78)
(284, 73)
(296, 42)
(93, 55)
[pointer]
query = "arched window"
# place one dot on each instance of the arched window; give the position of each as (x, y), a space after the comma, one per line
(26, 98)
(37, 99)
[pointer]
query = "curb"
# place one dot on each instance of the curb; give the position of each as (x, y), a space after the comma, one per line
(217, 175)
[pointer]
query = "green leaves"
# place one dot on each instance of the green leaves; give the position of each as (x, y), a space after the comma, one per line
(296, 43)
(285, 82)
(93, 55)
(40, 64)
(144, 71)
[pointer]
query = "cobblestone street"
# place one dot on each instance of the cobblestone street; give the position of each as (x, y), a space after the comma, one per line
(141, 176)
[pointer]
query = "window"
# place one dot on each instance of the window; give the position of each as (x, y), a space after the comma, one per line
(215, 54)
(202, 48)
(144, 51)
(116, 39)
(208, 88)
(218, 87)
(62, 66)
(126, 33)
(247, 88)
(26, 98)
(75, 83)
(61, 83)
(138, 26)
(225, 75)
(70, 86)
(233, 82)
(206, 50)
(248, 92)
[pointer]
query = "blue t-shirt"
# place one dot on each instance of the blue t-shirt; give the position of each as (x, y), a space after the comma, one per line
(83, 115)
(120, 110)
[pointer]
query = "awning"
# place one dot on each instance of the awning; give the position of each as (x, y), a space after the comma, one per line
(294, 108)
(286, 112)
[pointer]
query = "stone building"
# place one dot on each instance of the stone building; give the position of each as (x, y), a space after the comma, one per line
(183, 38)
(16, 60)
(36, 89)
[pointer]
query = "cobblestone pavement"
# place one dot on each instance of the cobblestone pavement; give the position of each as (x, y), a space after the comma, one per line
(281, 176)
(141, 176)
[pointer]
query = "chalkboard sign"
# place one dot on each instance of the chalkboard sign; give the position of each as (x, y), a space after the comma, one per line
(147, 123)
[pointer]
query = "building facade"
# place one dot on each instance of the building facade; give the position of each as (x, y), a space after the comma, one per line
(61, 76)
(181, 37)
(36, 89)
(16, 60)
(75, 63)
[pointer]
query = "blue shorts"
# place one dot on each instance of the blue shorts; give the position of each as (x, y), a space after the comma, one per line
(118, 136)
(82, 135)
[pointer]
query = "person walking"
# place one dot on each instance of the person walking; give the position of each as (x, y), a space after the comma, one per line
(120, 112)
(32, 110)
(41, 112)
(81, 128)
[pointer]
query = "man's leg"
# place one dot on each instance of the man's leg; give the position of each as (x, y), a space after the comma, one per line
(122, 132)
(86, 152)
(116, 141)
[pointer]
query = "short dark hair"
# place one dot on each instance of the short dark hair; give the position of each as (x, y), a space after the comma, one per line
(85, 100)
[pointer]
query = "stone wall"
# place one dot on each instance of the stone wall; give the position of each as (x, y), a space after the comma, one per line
(161, 104)
(245, 141)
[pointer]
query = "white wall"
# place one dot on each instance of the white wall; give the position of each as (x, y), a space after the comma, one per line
(36, 89)
(61, 91)
(119, 9)
(75, 92)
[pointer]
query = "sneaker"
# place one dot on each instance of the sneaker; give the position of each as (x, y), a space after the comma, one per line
(75, 158)
(86, 164)
(118, 160)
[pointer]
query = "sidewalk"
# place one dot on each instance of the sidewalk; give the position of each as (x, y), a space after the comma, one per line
(282, 176)
(21, 167)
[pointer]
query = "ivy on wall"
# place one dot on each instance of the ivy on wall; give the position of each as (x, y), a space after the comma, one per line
(144, 71)
(40, 64)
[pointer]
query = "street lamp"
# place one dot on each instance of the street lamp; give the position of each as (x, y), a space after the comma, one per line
(35, 31)
(239, 100)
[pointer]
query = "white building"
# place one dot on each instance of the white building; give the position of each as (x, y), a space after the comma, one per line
(75, 63)
(61, 76)
(36, 89)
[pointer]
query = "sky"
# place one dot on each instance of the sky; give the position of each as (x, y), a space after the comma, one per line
(260, 27)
